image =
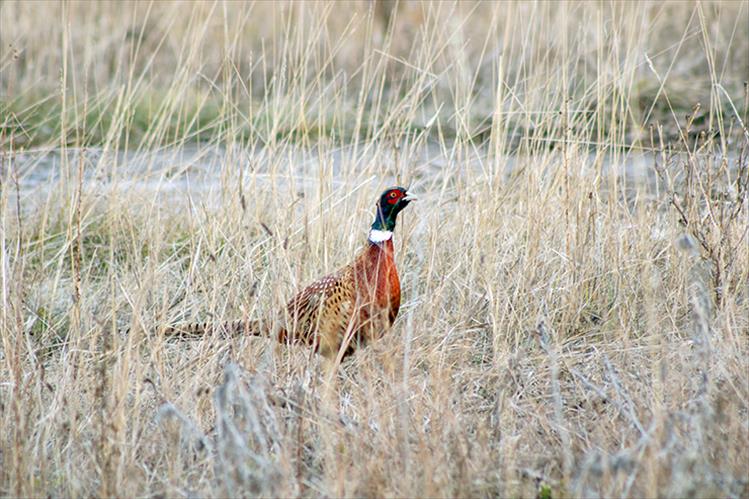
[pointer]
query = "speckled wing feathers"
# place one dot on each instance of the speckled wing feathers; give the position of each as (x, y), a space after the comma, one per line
(322, 312)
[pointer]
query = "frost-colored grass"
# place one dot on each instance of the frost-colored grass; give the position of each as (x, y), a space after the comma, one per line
(570, 321)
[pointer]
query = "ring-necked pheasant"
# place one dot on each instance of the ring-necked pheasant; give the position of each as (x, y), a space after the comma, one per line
(343, 310)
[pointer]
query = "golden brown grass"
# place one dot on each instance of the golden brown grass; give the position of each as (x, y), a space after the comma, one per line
(575, 275)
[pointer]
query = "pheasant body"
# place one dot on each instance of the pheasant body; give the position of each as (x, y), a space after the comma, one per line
(341, 311)
(349, 308)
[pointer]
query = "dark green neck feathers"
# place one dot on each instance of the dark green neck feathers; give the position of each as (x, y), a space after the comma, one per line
(384, 221)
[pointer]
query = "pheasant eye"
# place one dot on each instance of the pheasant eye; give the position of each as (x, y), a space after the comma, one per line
(393, 194)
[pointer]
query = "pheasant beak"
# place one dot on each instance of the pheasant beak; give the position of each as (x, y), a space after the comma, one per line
(409, 197)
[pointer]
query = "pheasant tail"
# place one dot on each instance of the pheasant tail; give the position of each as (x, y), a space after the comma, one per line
(223, 329)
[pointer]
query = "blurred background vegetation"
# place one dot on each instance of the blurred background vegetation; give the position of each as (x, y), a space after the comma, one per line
(346, 71)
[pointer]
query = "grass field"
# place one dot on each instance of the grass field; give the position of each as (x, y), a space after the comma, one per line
(575, 276)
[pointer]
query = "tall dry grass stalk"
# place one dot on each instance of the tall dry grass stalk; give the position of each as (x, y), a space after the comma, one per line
(575, 277)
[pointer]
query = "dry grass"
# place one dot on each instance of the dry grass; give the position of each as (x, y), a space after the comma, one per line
(575, 277)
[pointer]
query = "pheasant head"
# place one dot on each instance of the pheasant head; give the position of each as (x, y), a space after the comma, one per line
(390, 203)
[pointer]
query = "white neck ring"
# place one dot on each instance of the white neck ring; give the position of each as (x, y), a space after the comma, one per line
(379, 236)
